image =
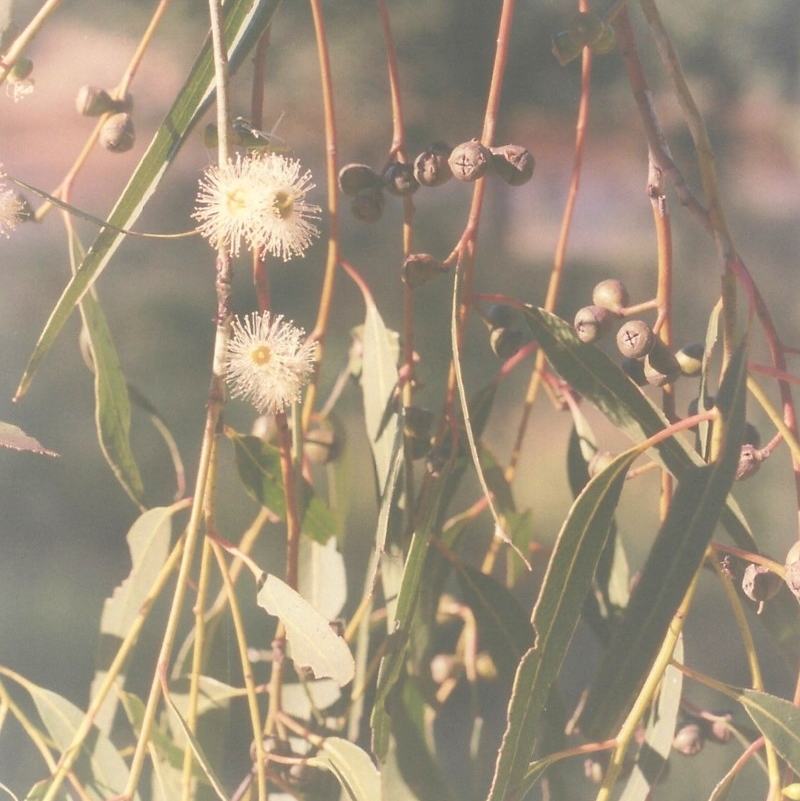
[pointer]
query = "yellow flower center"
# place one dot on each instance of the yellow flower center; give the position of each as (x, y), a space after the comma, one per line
(261, 355)
(235, 200)
(283, 203)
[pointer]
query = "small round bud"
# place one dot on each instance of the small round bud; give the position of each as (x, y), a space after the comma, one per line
(593, 322)
(419, 268)
(398, 178)
(367, 205)
(513, 163)
(431, 167)
(485, 666)
(718, 728)
(689, 739)
(634, 369)
(565, 48)
(760, 584)
(750, 459)
(117, 133)
(690, 359)
(585, 28)
(635, 339)
(321, 445)
(505, 342)
(21, 70)
(355, 178)
(499, 315)
(469, 160)
(599, 462)
(660, 365)
(92, 101)
(443, 666)
(611, 294)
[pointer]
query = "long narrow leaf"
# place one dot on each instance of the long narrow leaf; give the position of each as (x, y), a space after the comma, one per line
(675, 557)
(569, 576)
(245, 20)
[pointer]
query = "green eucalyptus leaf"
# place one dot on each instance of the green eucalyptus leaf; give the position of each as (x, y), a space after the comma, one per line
(112, 406)
(676, 555)
(353, 768)
(244, 22)
(100, 767)
(569, 575)
(778, 720)
(259, 466)
(381, 351)
(148, 542)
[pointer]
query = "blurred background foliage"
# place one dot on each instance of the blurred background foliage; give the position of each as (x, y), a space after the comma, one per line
(63, 521)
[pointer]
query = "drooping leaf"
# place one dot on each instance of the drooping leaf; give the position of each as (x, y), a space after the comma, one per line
(101, 768)
(567, 580)
(312, 641)
(112, 407)
(12, 436)
(778, 720)
(352, 767)
(197, 749)
(322, 579)
(659, 733)
(596, 377)
(148, 541)
(259, 466)
(378, 382)
(676, 555)
(244, 22)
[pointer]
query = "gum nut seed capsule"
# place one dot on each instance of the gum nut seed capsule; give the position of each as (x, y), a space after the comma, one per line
(690, 359)
(635, 339)
(585, 28)
(634, 369)
(750, 459)
(367, 205)
(21, 70)
(431, 167)
(321, 445)
(689, 739)
(658, 373)
(353, 178)
(505, 342)
(611, 294)
(398, 178)
(419, 268)
(719, 727)
(469, 160)
(593, 322)
(760, 584)
(792, 578)
(600, 461)
(500, 315)
(605, 42)
(117, 133)
(92, 101)
(513, 163)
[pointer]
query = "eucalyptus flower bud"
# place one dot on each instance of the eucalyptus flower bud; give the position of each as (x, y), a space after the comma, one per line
(419, 268)
(367, 205)
(398, 178)
(118, 134)
(431, 167)
(592, 323)
(469, 160)
(513, 163)
(92, 101)
(354, 178)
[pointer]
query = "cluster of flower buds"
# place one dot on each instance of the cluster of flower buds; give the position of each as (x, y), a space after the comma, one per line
(117, 133)
(694, 731)
(585, 30)
(646, 359)
(433, 167)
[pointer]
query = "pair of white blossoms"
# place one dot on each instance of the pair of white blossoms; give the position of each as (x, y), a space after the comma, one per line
(259, 200)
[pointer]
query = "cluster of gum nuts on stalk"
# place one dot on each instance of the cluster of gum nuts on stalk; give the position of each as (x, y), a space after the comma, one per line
(433, 167)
